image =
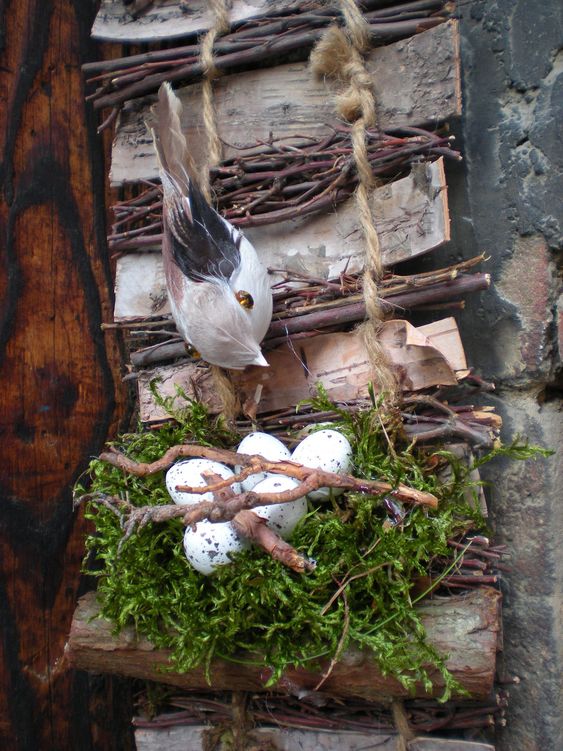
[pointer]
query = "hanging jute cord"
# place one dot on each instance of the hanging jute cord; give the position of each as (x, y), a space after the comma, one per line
(339, 55)
(210, 72)
(221, 379)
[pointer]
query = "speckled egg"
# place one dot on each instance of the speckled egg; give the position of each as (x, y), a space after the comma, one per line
(267, 446)
(281, 517)
(328, 450)
(212, 545)
(189, 472)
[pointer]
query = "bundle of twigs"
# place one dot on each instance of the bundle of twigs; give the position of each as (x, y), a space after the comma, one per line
(426, 418)
(250, 43)
(482, 564)
(318, 305)
(285, 178)
(287, 711)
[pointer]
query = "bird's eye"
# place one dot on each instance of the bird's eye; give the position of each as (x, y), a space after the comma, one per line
(191, 351)
(245, 299)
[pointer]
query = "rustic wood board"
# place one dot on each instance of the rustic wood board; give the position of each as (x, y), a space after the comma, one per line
(283, 739)
(463, 627)
(61, 392)
(338, 361)
(167, 19)
(411, 215)
(416, 82)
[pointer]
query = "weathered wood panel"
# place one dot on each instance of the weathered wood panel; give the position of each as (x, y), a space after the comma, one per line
(427, 356)
(411, 215)
(59, 383)
(416, 82)
(167, 19)
(465, 627)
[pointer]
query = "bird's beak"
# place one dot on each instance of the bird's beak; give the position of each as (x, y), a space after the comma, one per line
(260, 360)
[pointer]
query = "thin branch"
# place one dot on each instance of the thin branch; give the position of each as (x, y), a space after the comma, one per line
(341, 641)
(253, 527)
(311, 479)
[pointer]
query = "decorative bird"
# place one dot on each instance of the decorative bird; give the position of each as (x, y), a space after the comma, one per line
(219, 290)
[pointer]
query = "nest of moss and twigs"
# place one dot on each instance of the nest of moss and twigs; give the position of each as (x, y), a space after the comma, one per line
(376, 557)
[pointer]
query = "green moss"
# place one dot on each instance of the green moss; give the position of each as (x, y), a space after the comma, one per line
(257, 605)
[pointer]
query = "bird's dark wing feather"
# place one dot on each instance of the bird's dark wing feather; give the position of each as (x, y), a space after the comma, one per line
(202, 244)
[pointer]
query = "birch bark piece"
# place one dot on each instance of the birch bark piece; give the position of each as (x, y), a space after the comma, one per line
(170, 19)
(282, 739)
(416, 82)
(180, 738)
(338, 361)
(463, 627)
(447, 744)
(411, 215)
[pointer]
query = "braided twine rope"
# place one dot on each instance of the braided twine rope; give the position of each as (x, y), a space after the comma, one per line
(339, 55)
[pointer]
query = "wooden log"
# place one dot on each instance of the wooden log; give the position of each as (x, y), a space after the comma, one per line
(426, 357)
(464, 627)
(416, 81)
(411, 215)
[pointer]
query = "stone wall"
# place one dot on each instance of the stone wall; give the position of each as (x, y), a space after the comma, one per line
(507, 201)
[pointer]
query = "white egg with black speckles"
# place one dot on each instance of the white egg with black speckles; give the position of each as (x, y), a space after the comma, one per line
(328, 450)
(281, 517)
(211, 545)
(190, 472)
(265, 445)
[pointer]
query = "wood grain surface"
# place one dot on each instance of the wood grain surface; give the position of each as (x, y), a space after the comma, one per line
(60, 383)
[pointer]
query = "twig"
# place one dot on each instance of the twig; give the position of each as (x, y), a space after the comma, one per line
(253, 527)
(341, 642)
(310, 478)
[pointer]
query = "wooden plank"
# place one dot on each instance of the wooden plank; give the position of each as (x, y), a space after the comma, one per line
(61, 387)
(181, 738)
(411, 215)
(169, 19)
(464, 627)
(416, 82)
(338, 361)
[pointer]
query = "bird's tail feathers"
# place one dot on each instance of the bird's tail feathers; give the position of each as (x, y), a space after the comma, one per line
(174, 159)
